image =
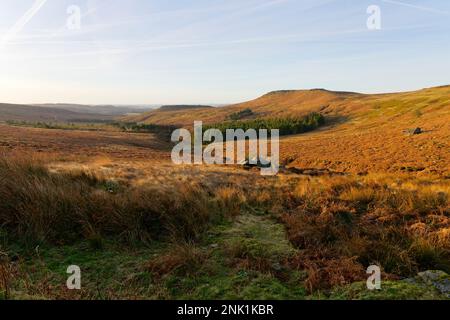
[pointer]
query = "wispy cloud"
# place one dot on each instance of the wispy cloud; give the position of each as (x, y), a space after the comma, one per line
(23, 21)
(422, 8)
(123, 47)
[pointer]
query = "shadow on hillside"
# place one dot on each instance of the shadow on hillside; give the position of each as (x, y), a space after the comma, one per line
(334, 120)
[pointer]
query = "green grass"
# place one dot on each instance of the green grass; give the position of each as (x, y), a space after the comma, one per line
(242, 259)
(116, 271)
(223, 276)
(390, 290)
(109, 273)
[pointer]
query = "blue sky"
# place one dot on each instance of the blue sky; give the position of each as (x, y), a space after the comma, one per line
(216, 51)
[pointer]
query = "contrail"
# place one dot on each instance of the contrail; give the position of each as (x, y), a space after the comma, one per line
(22, 22)
(416, 7)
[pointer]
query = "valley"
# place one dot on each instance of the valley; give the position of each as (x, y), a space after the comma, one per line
(357, 191)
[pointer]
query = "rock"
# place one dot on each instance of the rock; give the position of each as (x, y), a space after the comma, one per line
(413, 131)
(256, 163)
(438, 280)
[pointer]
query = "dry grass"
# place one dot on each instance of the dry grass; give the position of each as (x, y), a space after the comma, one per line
(40, 206)
(230, 200)
(5, 277)
(183, 259)
(83, 145)
(81, 188)
(339, 224)
(342, 225)
(123, 190)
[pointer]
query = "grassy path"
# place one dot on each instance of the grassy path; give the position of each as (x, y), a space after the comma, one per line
(244, 259)
(240, 260)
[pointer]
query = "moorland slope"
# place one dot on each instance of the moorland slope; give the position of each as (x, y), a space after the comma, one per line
(366, 132)
(19, 112)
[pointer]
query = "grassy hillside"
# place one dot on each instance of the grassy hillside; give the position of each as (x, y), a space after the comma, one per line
(372, 139)
(98, 109)
(275, 104)
(19, 112)
(173, 115)
(182, 107)
(290, 103)
(365, 132)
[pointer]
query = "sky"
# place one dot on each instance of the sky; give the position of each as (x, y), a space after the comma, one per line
(216, 51)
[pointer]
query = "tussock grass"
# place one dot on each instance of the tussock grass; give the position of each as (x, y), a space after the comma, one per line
(328, 228)
(5, 278)
(343, 225)
(39, 206)
(230, 200)
(182, 259)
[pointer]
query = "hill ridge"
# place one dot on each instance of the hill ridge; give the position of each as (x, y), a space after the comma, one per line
(297, 103)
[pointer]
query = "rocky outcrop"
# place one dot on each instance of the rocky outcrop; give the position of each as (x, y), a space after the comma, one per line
(428, 285)
(433, 279)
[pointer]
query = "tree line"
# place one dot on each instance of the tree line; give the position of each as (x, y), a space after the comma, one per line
(287, 126)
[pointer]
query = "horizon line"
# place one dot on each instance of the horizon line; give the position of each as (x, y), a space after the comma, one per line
(223, 104)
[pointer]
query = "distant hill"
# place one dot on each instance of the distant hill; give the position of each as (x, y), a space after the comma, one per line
(365, 132)
(18, 112)
(182, 107)
(274, 104)
(293, 103)
(111, 110)
(167, 113)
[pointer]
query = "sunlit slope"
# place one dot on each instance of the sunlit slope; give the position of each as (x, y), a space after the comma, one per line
(372, 139)
(365, 132)
(371, 108)
(274, 104)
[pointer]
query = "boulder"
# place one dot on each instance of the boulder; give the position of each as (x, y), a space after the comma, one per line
(437, 280)
(414, 131)
(255, 162)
